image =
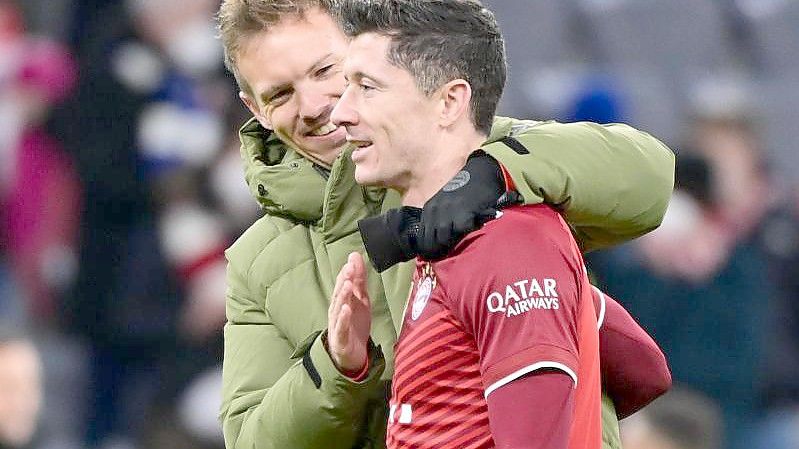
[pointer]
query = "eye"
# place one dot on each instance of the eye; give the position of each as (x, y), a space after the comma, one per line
(280, 97)
(324, 71)
(365, 87)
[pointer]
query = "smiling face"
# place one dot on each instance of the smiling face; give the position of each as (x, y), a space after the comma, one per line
(387, 117)
(294, 76)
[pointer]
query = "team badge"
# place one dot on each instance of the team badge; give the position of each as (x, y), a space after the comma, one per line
(423, 290)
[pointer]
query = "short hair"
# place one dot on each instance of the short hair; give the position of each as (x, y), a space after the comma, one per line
(238, 20)
(438, 41)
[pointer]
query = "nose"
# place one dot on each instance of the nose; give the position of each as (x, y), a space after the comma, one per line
(344, 113)
(314, 106)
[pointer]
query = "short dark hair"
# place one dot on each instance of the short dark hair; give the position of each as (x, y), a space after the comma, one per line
(437, 41)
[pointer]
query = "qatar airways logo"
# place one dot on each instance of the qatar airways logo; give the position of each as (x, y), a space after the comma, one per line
(523, 296)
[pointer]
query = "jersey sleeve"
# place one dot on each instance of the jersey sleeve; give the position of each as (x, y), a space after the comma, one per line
(634, 369)
(517, 293)
(551, 391)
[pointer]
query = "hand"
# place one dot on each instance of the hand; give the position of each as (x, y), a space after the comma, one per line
(390, 238)
(464, 204)
(350, 317)
(467, 202)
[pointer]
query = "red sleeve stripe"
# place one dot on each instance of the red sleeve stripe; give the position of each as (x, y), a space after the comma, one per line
(529, 369)
(601, 315)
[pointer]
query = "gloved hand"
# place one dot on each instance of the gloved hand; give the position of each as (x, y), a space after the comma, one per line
(390, 238)
(469, 200)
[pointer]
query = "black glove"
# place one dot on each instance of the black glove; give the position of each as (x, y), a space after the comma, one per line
(468, 201)
(390, 238)
(464, 204)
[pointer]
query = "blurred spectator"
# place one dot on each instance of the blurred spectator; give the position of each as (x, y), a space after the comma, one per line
(692, 221)
(20, 390)
(39, 188)
(150, 295)
(754, 209)
(680, 419)
(725, 133)
(703, 294)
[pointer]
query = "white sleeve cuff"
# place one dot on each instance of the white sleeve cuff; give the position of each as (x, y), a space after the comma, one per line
(529, 369)
(601, 318)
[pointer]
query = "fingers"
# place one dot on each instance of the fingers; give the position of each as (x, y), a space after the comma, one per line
(357, 270)
(343, 296)
(343, 274)
(340, 322)
(358, 278)
(440, 233)
(436, 234)
(444, 240)
(462, 224)
(342, 326)
(356, 265)
(350, 287)
(425, 241)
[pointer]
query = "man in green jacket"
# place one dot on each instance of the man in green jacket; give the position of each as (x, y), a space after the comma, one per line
(281, 387)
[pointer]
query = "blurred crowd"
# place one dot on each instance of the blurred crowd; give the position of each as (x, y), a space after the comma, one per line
(121, 186)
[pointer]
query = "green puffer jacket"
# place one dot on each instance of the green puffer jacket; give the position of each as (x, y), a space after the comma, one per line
(280, 388)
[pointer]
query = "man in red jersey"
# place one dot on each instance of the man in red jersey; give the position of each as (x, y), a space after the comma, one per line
(499, 345)
(634, 369)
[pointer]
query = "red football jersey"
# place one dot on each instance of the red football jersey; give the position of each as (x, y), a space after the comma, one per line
(511, 298)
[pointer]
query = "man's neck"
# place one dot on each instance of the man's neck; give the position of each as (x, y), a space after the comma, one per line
(443, 163)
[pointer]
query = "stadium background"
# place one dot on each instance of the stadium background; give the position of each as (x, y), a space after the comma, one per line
(120, 187)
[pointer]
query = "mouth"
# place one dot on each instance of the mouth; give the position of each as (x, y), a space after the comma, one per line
(324, 130)
(361, 147)
(359, 143)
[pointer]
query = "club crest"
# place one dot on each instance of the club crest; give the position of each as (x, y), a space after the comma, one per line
(423, 292)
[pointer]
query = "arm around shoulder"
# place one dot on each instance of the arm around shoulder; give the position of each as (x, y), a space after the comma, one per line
(613, 182)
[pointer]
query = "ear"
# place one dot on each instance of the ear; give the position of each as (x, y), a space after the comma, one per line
(455, 98)
(252, 105)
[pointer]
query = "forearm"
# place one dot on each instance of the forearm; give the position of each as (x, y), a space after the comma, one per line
(634, 369)
(613, 182)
